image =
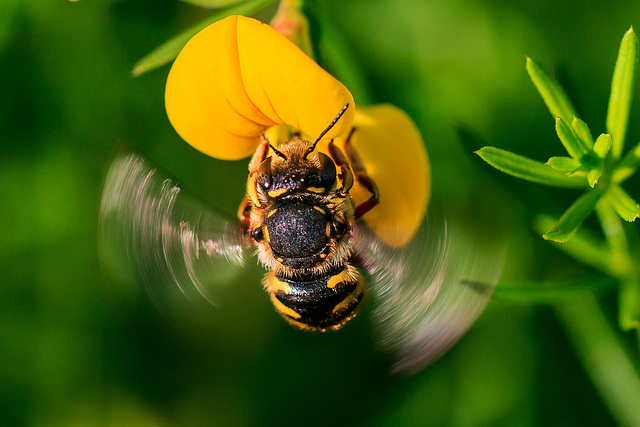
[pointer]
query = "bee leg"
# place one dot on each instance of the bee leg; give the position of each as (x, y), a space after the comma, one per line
(362, 177)
(345, 175)
(244, 211)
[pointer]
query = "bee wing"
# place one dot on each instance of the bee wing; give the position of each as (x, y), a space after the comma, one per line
(151, 230)
(428, 293)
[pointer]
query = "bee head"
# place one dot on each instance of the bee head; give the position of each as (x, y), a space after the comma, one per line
(290, 170)
(297, 167)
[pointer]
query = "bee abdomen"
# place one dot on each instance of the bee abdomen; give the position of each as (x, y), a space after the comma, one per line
(318, 304)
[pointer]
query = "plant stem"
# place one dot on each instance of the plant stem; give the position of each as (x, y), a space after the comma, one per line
(603, 357)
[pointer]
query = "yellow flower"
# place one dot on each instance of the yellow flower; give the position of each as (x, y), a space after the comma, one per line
(239, 76)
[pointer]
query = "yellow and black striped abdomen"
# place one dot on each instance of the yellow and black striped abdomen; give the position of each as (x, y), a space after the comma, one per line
(317, 304)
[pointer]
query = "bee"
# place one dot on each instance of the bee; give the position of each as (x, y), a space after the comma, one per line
(300, 215)
(300, 219)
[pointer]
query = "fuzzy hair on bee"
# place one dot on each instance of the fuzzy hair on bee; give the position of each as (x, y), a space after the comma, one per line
(287, 192)
(300, 215)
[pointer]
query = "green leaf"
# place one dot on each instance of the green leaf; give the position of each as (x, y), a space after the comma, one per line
(622, 91)
(213, 4)
(573, 217)
(169, 50)
(629, 301)
(628, 165)
(574, 145)
(583, 132)
(584, 247)
(548, 292)
(625, 206)
(603, 145)
(593, 176)
(579, 171)
(563, 164)
(531, 170)
(612, 371)
(551, 92)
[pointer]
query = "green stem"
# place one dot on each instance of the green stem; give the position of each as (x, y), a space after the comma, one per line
(612, 227)
(604, 359)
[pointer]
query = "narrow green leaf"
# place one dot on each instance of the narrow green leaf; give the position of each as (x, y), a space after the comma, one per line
(548, 292)
(593, 176)
(622, 91)
(629, 302)
(603, 145)
(619, 263)
(573, 217)
(628, 165)
(625, 206)
(612, 371)
(563, 164)
(583, 132)
(169, 50)
(584, 247)
(574, 145)
(531, 170)
(213, 4)
(551, 92)
(579, 171)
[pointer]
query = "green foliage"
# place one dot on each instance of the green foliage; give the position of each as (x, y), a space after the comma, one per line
(622, 90)
(551, 92)
(597, 162)
(528, 169)
(573, 217)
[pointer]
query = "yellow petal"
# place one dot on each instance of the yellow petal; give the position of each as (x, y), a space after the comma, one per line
(394, 155)
(239, 76)
(280, 77)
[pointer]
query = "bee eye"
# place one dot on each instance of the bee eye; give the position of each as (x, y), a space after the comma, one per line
(327, 171)
(338, 229)
(257, 234)
(264, 173)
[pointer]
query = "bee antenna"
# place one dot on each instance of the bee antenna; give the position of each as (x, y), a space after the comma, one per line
(313, 147)
(278, 153)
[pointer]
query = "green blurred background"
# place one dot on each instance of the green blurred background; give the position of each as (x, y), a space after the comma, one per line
(80, 348)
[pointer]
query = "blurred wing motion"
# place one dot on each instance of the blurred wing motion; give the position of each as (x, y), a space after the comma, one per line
(428, 293)
(152, 231)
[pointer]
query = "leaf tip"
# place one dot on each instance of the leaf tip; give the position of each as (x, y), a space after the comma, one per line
(555, 236)
(137, 71)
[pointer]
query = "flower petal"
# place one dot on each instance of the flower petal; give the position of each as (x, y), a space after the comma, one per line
(239, 76)
(281, 78)
(394, 155)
